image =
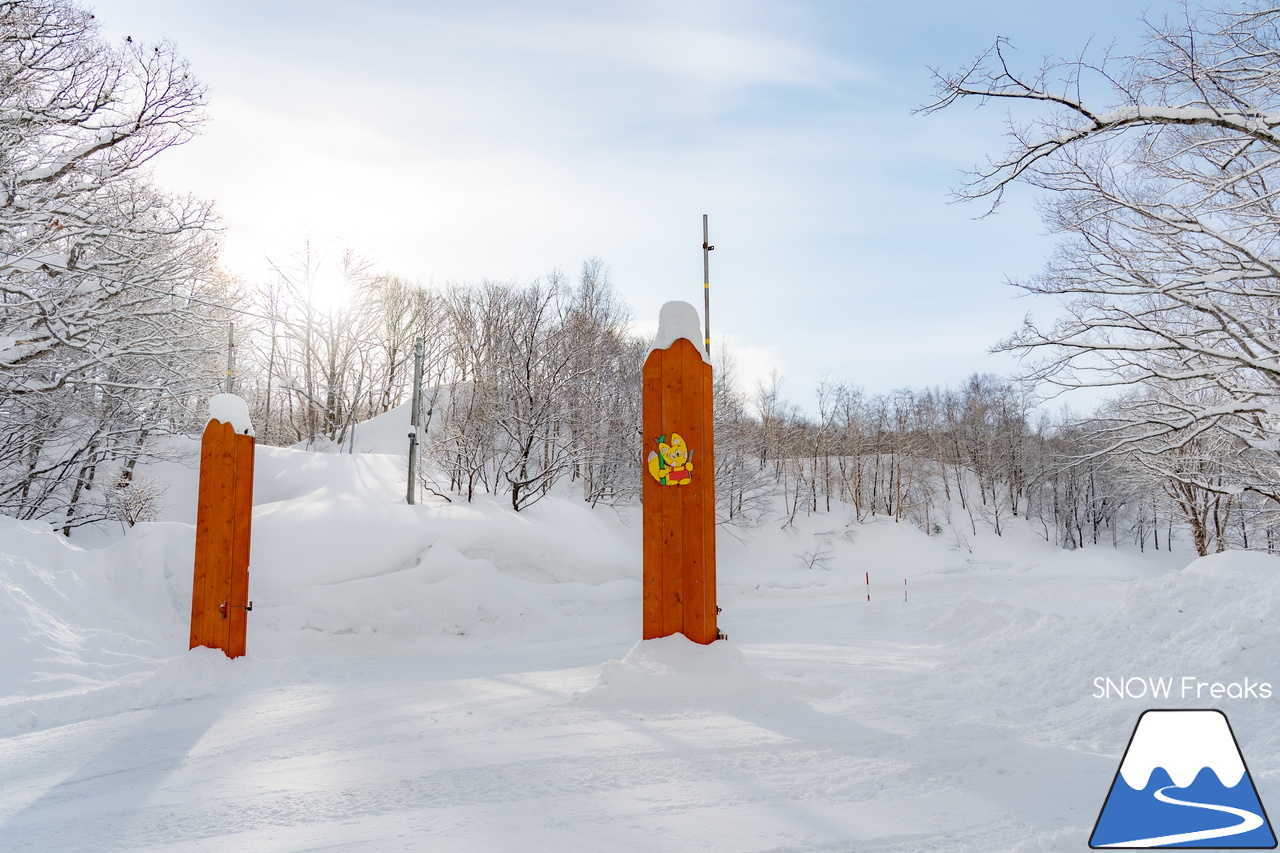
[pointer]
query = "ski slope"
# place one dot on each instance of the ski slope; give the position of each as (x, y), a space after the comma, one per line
(457, 677)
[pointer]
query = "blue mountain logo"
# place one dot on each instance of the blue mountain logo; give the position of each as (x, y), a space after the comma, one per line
(1183, 783)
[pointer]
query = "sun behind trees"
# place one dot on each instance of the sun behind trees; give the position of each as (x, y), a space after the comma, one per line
(114, 324)
(532, 387)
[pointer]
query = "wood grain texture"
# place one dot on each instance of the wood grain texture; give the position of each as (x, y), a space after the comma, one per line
(693, 621)
(672, 503)
(213, 530)
(708, 602)
(651, 497)
(224, 511)
(242, 522)
(679, 520)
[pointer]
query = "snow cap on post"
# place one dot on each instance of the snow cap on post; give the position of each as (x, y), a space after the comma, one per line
(230, 409)
(679, 320)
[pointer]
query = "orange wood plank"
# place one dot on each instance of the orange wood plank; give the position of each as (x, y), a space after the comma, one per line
(238, 568)
(672, 500)
(679, 520)
(213, 533)
(199, 592)
(712, 627)
(223, 518)
(651, 497)
(693, 623)
(222, 583)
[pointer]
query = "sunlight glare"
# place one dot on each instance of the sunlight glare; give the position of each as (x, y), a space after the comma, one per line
(330, 290)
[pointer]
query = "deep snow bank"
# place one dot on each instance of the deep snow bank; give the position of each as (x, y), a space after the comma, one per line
(341, 566)
(677, 671)
(1216, 621)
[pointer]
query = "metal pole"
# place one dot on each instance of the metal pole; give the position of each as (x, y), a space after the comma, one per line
(351, 418)
(706, 283)
(231, 357)
(413, 418)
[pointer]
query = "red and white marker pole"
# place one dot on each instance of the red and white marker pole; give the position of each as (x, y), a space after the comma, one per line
(904, 589)
(868, 586)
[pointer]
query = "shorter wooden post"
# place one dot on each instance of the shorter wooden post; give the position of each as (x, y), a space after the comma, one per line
(224, 512)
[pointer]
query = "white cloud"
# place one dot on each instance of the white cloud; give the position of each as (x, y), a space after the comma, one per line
(461, 141)
(715, 54)
(753, 365)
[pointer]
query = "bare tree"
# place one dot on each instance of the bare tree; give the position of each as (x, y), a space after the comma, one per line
(743, 488)
(604, 402)
(105, 334)
(1164, 185)
(536, 372)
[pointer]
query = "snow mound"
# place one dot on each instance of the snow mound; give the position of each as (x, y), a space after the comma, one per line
(1214, 624)
(89, 633)
(675, 669)
(444, 593)
(1236, 562)
(193, 674)
(385, 433)
(230, 409)
(678, 320)
(62, 624)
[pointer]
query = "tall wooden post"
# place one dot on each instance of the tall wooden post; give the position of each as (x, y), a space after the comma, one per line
(220, 592)
(679, 488)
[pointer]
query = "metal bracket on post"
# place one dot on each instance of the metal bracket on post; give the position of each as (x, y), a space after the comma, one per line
(222, 608)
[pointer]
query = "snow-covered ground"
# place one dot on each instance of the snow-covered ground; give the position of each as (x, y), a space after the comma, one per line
(456, 677)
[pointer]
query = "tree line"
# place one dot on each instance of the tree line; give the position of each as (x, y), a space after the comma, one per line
(529, 385)
(116, 321)
(1158, 170)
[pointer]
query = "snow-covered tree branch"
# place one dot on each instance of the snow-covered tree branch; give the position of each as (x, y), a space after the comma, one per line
(1160, 170)
(104, 330)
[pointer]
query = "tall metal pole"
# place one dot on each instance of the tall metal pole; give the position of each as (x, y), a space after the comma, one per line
(706, 283)
(351, 417)
(413, 418)
(231, 357)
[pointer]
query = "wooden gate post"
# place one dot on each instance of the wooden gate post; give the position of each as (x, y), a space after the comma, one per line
(220, 591)
(679, 485)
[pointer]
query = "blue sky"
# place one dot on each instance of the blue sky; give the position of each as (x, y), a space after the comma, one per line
(455, 142)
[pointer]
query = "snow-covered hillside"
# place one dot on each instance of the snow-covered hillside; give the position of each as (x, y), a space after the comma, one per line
(455, 676)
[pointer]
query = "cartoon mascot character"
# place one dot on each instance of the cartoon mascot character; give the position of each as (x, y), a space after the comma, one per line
(672, 464)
